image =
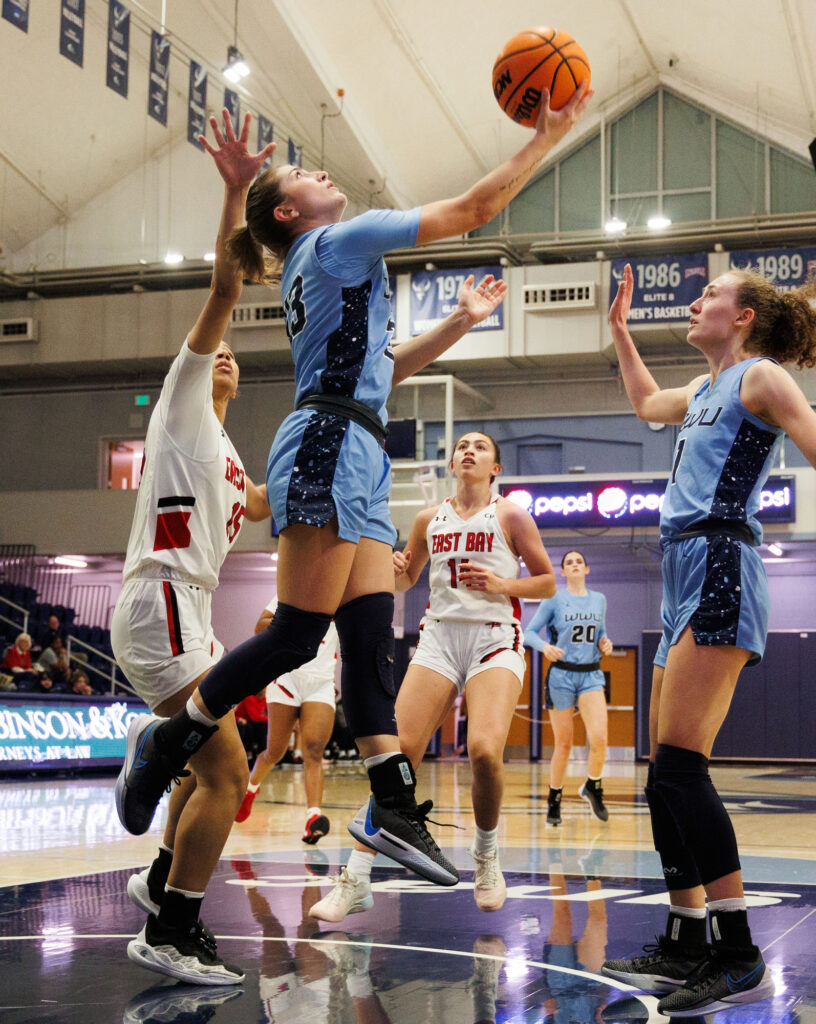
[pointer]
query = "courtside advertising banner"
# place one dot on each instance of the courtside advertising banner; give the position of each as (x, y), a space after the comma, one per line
(159, 80)
(72, 30)
(435, 295)
(787, 268)
(665, 286)
(118, 48)
(197, 104)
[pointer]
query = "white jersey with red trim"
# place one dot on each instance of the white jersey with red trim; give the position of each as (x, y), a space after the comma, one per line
(192, 495)
(323, 662)
(480, 539)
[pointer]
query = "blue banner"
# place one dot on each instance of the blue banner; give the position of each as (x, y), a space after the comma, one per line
(665, 286)
(16, 11)
(787, 268)
(233, 105)
(159, 80)
(72, 30)
(266, 131)
(434, 294)
(295, 154)
(118, 48)
(197, 104)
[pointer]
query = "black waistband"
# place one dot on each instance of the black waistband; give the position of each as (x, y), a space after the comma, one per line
(718, 528)
(349, 408)
(571, 666)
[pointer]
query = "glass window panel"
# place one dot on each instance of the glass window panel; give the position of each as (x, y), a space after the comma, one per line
(491, 229)
(686, 144)
(534, 208)
(579, 187)
(740, 173)
(682, 209)
(793, 184)
(633, 150)
(635, 211)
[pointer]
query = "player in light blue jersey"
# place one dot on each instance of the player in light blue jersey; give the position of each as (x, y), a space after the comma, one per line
(575, 624)
(328, 479)
(715, 612)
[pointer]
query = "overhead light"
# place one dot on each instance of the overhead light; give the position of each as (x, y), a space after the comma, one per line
(615, 226)
(236, 67)
(173, 257)
(776, 550)
(274, 556)
(658, 222)
(209, 257)
(74, 563)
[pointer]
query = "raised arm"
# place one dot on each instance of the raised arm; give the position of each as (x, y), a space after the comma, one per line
(237, 166)
(475, 305)
(257, 507)
(648, 400)
(492, 193)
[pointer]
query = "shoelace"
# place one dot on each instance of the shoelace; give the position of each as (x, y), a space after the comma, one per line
(491, 869)
(342, 880)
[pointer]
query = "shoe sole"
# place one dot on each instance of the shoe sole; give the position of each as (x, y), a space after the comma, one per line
(588, 800)
(134, 733)
(554, 824)
(317, 831)
(153, 959)
(403, 853)
(496, 903)
(646, 982)
(764, 990)
(366, 903)
(139, 894)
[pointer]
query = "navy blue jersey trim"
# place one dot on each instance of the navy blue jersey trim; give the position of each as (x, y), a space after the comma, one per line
(346, 347)
(309, 496)
(716, 619)
(741, 470)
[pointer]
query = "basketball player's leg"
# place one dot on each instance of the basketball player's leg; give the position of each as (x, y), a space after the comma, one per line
(316, 723)
(561, 720)
(281, 719)
(492, 697)
(592, 708)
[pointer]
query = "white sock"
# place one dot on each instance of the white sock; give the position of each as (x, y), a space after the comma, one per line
(311, 811)
(697, 912)
(197, 715)
(735, 903)
(185, 892)
(486, 841)
(370, 762)
(359, 864)
(252, 788)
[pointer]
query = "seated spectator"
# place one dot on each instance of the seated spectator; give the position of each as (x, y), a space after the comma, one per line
(53, 663)
(52, 629)
(80, 684)
(17, 662)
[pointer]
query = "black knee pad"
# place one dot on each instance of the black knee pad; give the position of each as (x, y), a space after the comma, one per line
(679, 868)
(365, 628)
(291, 639)
(683, 783)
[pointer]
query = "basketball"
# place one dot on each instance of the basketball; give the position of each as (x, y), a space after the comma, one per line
(538, 59)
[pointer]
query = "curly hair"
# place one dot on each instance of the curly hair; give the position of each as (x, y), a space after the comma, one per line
(784, 324)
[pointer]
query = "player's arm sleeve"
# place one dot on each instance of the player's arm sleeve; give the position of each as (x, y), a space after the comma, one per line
(542, 617)
(185, 402)
(350, 250)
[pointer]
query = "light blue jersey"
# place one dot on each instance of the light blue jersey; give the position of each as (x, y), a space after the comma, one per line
(722, 459)
(335, 296)
(575, 624)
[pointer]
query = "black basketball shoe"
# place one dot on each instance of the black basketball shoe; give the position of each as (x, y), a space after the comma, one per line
(727, 978)
(666, 965)
(592, 792)
(189, 953)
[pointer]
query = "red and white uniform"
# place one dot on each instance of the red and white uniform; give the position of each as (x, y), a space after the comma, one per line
(313, 681)
(191, 502)
(465, 632)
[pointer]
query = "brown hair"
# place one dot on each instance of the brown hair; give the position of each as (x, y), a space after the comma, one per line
(263, 234)
(784, 324)
(574, 551)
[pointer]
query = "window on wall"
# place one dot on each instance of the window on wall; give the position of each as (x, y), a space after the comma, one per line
(793, 184)
(534, 208)
(740, 173)
(123, 464)
(579, 189)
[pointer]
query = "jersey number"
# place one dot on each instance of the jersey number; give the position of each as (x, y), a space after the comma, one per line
(583, 635)
(681, 444)
(234, 521)
(294, 309)
(452, 565)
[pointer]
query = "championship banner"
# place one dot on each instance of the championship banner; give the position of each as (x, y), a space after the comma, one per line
(295, 154)
(159, 81)
(72, 30)
(787, 268)
(233, 104)
(16, 11)
(197, 104)
(118, 48)
(665, 286)
(434, 295)
(265, 133)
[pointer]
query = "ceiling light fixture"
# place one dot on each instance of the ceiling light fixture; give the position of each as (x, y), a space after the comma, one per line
(776, 550)
(172, 258)
(72, 561)
(615, 226)
(236, 67)
(658, 222)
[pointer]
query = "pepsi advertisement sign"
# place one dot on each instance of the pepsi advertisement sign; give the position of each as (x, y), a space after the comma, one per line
(602, 503)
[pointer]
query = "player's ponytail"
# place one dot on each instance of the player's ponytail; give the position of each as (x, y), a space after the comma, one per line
(260, 247)
(784, 324)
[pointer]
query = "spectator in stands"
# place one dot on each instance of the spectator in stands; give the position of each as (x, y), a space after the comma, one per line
(52, 629)
(80, 684)
(17, 662)
(53, 663)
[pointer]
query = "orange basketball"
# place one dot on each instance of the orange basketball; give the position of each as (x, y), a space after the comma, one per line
(540, 58)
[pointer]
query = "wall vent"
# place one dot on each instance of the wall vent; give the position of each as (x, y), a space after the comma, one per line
(542, 298)
(21, 329)
(257, 314)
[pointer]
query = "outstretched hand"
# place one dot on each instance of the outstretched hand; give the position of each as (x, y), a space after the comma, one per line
(236, 165)
(555, 124)
(619, 310)
(480, 301)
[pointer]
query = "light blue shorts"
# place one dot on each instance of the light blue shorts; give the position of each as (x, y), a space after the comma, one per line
(563, 688)
(718, 586)
(322, 465)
